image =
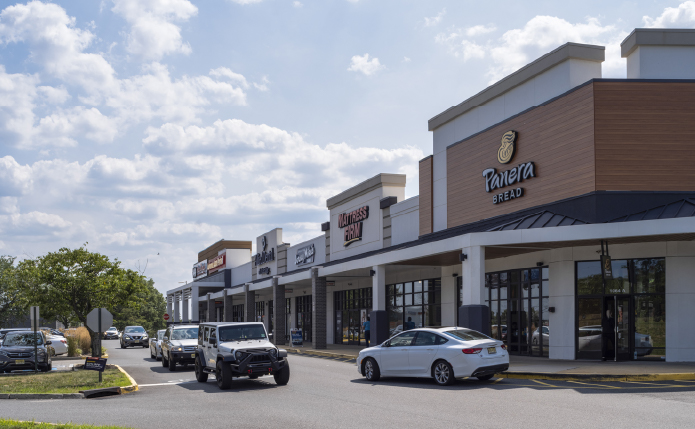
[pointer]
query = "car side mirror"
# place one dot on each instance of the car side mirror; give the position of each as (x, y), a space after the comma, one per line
(48, 343)
(386, 344)
(166, 338)
(212, 341)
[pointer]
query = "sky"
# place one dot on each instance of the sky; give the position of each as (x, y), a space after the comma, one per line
(150, 129)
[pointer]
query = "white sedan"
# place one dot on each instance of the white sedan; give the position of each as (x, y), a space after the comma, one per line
(59, 344)
(443, 354)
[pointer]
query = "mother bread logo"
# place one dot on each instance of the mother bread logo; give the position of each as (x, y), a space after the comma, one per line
(506, 151)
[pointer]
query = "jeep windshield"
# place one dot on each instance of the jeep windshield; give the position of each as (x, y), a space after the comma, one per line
(241, 333)
(184, 334)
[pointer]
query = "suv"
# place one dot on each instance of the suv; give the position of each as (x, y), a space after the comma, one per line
(179, 345)
(238, 350)
(17, 351)
(134, 336)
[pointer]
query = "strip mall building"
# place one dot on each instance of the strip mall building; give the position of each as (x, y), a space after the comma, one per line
(531, 182)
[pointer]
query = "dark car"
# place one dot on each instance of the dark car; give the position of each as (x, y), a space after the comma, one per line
(17, 351)
(4, 332)
(134, 336)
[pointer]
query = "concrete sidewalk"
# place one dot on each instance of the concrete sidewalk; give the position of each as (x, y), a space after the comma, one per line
(537, 368)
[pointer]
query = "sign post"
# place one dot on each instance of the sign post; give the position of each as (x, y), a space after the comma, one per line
(34, 317)
(97, 320)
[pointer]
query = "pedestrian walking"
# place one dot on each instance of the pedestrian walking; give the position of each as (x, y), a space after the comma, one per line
(367, 334)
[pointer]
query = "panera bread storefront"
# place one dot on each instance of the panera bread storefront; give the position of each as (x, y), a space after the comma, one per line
(556, 213)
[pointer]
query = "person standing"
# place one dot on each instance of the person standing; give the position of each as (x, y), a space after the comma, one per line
(367, 333)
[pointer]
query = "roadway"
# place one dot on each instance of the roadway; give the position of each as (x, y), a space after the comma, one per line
(330, 393)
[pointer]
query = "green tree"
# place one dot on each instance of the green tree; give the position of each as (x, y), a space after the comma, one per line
(146, 309)
(76, 281)
(13, 299)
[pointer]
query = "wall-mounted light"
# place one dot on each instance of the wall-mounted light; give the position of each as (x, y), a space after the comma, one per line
(539, 264)
(463, 257)
(455, 275)
(371, 273)
(551, 309)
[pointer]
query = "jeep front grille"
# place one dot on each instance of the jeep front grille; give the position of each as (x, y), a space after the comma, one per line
(260, 358)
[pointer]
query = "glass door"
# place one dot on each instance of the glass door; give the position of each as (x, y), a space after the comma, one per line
(354, 327)
(616, 328)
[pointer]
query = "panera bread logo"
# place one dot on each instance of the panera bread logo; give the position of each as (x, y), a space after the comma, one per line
(506, 151)
(496, 180)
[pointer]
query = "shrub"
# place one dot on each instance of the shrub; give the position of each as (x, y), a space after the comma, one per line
(73, 346)
(80, 337)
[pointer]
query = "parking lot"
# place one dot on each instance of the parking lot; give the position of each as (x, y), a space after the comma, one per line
(325, 392)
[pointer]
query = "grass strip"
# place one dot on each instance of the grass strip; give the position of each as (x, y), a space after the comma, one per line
(61, 382)
(15, 424)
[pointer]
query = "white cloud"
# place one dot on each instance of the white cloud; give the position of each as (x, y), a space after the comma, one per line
(406, 59)
(478, 30)
(681, 16)
(435, 20)
(246, 1)
(15, 179)
(362, 64)
(152, 32)
(297, 4)
(234, 77)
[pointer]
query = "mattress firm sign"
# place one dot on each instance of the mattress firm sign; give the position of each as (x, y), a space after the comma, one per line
(352, 222)
(497, 180)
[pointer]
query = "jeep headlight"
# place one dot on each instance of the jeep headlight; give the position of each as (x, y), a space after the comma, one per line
(274, 353)
(238, 355)
(178, 349)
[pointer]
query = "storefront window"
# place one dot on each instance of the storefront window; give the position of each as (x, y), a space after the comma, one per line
(351, 308)
(413, 305)
(238, 313)
(634, 303)
(303, 312)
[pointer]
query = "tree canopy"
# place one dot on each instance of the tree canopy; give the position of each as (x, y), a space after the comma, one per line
(13, 299)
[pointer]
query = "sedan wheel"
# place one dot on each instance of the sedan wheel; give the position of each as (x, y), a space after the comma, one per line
(443, 373)
(371, 370)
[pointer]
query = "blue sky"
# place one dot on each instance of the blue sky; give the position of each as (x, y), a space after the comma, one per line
(153, 128)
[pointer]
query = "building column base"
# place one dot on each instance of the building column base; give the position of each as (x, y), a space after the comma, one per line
(379, 327)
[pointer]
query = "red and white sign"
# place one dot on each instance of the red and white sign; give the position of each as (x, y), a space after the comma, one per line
(166, 316)
(217, 263)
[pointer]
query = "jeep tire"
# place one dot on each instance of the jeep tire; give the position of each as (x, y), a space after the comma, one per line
(282, 377)
(172, 364)
(223, 374)
(200, 374)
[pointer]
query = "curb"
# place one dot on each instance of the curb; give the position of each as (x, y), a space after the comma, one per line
(133, 385)
(312, 352)
(598, 377)
(41, 396)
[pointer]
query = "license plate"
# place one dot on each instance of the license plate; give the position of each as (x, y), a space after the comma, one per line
(19, 361)
(137, 341)
(193, 355)
(491, 350)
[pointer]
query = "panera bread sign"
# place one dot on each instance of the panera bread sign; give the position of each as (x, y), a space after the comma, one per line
(498, 180)
(352, 222)
(216, 263)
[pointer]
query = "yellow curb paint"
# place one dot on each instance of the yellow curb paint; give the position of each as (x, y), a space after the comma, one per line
(599, 377)
(133, 385)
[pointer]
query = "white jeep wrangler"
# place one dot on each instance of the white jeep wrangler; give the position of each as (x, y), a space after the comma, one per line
(239, 349)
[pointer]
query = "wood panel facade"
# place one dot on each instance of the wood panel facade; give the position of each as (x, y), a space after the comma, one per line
(645, 136)
(557, 137)
(425, 208)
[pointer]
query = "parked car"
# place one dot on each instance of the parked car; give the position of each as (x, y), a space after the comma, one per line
(4, 332)
(178, 346)
(59, 345)
(134, 336)
(111, 333)
(535, 338)
(443, 354)
(156, 345)
(238, 349)
(17, 351)
(590, 337)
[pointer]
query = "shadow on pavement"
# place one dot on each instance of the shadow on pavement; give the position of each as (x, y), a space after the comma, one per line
(238, 386)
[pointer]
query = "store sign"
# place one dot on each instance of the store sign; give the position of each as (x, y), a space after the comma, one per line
(216, 263)
(264, 271)
(200, 269)
(497, 180)
(305, 255)
(352, 222)
(606, 267)
(264, 256)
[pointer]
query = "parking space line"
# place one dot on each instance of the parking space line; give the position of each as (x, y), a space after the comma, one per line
(603, 386)
(545, 384)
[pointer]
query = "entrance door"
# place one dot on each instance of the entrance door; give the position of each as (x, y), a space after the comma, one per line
(616, 328)
(354, 327)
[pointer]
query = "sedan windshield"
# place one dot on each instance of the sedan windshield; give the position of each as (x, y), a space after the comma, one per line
(467, 335)
(22, 339)
(135, 330)
(243, 332)
(185, 334)
(160, 334)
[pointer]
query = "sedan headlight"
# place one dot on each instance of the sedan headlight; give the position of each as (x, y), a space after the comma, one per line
(144, 337)
(128, 337)
(178, 349)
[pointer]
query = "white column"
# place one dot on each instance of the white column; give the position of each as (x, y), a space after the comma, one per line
(561, 296)
(680, 301)
(379, 288)
(177, 307)
(185, 303)
(473, 275)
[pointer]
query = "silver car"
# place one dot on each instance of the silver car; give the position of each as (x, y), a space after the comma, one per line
(179, 346)
(156, 345)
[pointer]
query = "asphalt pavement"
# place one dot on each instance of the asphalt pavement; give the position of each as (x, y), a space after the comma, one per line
(325, 392)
